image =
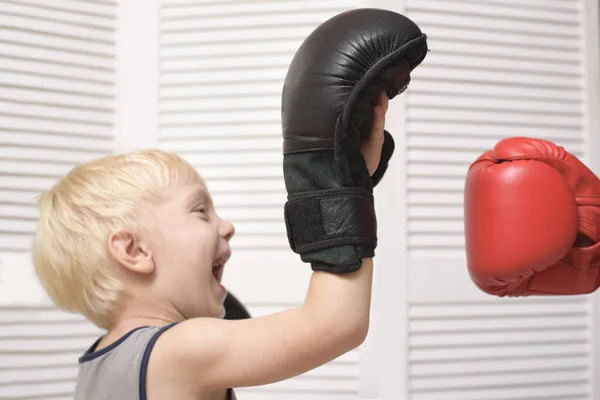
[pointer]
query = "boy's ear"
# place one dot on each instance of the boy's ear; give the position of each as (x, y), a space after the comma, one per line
(130, 251)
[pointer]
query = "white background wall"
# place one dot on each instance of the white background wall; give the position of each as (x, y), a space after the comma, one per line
(79, 79)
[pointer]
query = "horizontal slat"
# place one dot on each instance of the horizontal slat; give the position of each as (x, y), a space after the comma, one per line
(494, 131)
(43, 390)
(541, 120)
(175, 135)
(501, 366)
(217, 76)
(35, 345)
(252, 213)
(232, 201)
(19, 167)
(26, 183)
(259, 242)
(22, 211)
(50, 111)
(500, 307)
(59, 71)
(34, 376)
(501, 12)
(469, 382)
(442, 184)
(249, 117)
(18, 197)
(273, 171)
(41, 146)
(100, 104)
(316, 386)
(565, 68)
(18, 122)
(233, 36)
(23, 361)
(418, 227)
(510, 92)
(233, 50)
(416, 197)
(471, 35)
(226, 145)
(222, 90)
(253, 228)
(15, 241)
(260, 393)
(55, 83)
(568, 6)
(572, 390)
(18, 226)
(243, 186)
(425, 170)
(312, 18)
(437, 240)
(499, 77)
(241, 103)
(233, 159)
(171, 68)
(54, 55)
(557, 349)
(540, 384)
(40, 314)
(63, 44)
(34, 19)
(501, 339)
(439, 254)
(459, 325)
(58, 159)
(201, 11)
(475, 103)
(102, 9)
(490, 23)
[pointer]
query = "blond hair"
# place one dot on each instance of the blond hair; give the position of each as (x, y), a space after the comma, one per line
(77, 215)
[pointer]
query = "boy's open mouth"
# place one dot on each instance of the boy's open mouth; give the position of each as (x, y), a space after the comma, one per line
(219, 265)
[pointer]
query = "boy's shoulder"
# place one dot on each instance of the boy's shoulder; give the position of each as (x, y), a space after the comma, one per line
(118, 370)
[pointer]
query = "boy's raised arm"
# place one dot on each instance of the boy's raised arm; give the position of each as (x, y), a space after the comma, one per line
(211, 354)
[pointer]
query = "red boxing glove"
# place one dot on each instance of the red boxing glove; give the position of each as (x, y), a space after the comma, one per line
(532, 221)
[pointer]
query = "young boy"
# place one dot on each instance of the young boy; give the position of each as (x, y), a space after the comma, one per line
(133, 242)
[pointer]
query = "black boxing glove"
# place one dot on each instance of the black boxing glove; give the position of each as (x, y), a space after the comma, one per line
(328, 96)
(234, 309)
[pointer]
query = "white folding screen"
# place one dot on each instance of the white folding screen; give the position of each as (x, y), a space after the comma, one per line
(497, 68)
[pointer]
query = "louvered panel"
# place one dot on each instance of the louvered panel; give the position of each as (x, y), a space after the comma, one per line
(56, 101)
(39, 349)
(500, 349)
(496, 69)
(76, 7)
(222, 70)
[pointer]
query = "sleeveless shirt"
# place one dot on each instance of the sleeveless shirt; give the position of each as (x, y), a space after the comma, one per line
(118, 371)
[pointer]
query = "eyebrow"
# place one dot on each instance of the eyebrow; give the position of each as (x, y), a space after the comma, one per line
(198, 194)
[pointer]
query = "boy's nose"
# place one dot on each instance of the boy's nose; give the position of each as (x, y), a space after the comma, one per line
(226, 229)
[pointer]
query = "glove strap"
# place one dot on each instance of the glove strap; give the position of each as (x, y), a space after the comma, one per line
(328, 218)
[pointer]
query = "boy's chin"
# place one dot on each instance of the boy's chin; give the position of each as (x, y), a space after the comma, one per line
(219, 311)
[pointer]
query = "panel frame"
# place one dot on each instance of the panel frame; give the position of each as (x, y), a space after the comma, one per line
(591, 36)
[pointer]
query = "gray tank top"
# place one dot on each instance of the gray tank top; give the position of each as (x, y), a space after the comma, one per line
(118, 371)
